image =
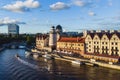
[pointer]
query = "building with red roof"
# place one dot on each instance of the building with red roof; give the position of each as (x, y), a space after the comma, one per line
(71, 45)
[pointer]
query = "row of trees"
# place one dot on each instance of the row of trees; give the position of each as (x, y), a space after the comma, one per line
(29, 39)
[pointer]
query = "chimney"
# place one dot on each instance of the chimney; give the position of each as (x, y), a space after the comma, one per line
(99, 31)
(112, 31)
(77, 39)
(106, 31)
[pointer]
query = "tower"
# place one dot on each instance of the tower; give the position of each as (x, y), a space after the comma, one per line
(52, 38)
(59, 31)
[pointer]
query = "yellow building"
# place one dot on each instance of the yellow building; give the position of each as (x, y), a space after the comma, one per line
(42, 41)
(71, 45)
(103, 46)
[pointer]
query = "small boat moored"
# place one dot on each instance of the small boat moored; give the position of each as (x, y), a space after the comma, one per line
(27, 54)
(35, 55)
(48, 56)
(77, 62)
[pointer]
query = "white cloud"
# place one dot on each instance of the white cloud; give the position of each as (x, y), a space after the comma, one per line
(79, 2)
(84, 3)
(21, 6)
(7, 20)
(91, 13)
(59, 6)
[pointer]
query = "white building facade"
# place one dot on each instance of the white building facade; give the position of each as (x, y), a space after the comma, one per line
(103, 44)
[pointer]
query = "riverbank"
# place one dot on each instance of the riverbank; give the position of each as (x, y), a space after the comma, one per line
(88, 62)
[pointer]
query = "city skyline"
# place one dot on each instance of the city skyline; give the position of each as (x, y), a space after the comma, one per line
(34, 16)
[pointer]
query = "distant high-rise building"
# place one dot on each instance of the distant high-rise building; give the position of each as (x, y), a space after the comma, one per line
(13, 29)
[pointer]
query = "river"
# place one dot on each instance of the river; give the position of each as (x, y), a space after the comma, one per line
(12, 68)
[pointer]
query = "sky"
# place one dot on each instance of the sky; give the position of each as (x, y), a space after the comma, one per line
(36, 16)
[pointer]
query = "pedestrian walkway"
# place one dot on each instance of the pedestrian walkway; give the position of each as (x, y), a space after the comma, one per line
(88, 62)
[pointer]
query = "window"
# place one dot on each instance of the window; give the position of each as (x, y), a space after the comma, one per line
(97, 47)
(81, 44)
(116, 53)
(106, 42)
(112, 43)
(116, 43)
(112, 53)
(106, 52)
(89, 49)
(116, 48)
(102, 52)
(112, 48)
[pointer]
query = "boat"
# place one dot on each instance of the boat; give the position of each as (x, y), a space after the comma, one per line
(77, 62)
(21, 47)
(28, 53)
(35, 55)
(47, 56)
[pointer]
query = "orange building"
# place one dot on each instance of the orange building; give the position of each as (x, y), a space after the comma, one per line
(71, 44)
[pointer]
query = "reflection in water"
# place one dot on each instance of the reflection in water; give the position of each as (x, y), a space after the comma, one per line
(29, 69)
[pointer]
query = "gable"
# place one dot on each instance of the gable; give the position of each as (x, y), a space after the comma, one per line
(114, 37)
(88, 37)
(104, 37)
(96, 37)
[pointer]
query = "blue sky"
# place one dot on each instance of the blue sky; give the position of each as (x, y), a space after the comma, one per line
(34, 16)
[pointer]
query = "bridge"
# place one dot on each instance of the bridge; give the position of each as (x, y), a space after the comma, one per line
(15, 45)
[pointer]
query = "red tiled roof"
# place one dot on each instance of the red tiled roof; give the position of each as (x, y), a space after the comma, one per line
(71, 39)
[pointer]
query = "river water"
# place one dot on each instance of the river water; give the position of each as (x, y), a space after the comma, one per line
(24, 68)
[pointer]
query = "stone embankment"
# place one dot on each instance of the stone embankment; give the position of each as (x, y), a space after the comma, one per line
(88, 62)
